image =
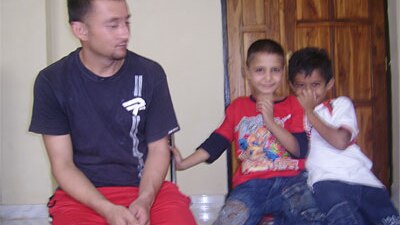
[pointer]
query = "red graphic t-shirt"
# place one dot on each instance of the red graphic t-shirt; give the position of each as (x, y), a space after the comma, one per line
(259, 153)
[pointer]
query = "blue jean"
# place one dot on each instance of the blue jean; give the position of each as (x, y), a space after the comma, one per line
(288, 199)
(355, 204)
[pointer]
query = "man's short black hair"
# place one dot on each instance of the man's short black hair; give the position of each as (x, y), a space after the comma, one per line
(306, 60)
(77, 9)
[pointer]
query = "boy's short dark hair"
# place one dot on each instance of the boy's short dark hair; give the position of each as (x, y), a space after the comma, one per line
(77, 9)
(264, 45)
(306, 60)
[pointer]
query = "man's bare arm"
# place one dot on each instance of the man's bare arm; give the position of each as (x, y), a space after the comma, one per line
(77, 185)
(154, 173)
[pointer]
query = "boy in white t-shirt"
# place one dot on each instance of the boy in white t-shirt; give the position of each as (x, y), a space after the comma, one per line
(339, 173)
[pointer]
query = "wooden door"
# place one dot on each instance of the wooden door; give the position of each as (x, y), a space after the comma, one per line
(353, 33)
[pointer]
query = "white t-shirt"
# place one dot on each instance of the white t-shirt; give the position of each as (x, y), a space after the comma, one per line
(325, 162)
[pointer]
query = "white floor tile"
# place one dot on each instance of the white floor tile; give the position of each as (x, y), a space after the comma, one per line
(25, 222)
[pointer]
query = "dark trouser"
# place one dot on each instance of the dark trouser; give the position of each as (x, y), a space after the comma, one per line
(355, 204)
(288, 199)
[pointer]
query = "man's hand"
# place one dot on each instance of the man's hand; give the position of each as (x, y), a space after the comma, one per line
(140, 209)
(120, 215)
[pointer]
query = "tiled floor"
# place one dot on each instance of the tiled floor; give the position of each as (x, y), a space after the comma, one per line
(25, 222)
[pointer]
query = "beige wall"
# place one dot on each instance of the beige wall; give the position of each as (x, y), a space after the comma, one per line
(184, 36)
(24, 171)
(394, 29)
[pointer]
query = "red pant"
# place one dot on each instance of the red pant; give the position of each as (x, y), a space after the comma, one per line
(171, 207)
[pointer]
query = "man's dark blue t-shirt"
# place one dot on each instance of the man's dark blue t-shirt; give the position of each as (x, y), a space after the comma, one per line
(110, 120)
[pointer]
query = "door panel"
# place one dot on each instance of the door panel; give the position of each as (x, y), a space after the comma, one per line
(313, 36)
(354, 9)
(364, 113)
(352, 32)
(312, 9)
(353, 77)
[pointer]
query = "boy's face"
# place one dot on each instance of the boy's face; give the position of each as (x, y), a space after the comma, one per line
(264, 73)
(315, 82)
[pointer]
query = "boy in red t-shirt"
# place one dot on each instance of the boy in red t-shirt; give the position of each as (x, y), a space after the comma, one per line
(268, 134)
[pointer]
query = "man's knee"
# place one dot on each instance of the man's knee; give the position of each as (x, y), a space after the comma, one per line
(234, 212)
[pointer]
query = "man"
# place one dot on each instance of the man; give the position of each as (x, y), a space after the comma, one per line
(105, 114)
